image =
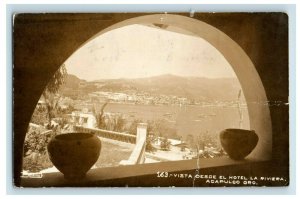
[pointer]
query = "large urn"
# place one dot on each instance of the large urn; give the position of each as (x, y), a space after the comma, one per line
(74, 154)
(238, 143)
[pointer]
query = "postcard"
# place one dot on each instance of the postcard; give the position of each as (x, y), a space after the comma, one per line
(150, 99)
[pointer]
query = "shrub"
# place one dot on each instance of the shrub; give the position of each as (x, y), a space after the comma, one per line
(165, 144)
(149, 146)
(39, 115)
(35, 148)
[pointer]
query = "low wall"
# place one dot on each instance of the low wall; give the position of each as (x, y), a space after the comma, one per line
(123, 137)
(138, 154)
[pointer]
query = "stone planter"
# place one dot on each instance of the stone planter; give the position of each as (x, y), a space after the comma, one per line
(238, 143)
(74, 154)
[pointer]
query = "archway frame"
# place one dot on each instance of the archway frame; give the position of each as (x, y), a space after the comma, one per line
(255, 95)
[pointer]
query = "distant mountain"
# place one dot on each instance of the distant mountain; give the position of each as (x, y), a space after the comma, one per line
(221, 89)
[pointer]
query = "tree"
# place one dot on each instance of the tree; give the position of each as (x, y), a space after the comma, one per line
(57, 80)
(52, 88)
(40, 115)
(100, 118)
(149, 146)
(52, 106)
(118, 123)
(165, 144)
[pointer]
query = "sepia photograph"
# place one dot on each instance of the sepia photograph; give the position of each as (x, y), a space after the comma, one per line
(150, 99)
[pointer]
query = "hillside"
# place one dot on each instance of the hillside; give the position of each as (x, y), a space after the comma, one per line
(221, 89)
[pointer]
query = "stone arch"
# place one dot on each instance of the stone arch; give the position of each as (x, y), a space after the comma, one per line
(254, 91)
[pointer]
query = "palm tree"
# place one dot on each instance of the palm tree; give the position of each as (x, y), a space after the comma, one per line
(100, 119)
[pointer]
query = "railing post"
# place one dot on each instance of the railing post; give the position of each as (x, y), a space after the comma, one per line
(141, 134)
(141, 131)
(138, 154)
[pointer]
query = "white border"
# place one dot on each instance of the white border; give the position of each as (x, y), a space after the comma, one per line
(5, 80)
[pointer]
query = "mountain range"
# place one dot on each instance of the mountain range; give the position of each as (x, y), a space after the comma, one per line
(198, 88)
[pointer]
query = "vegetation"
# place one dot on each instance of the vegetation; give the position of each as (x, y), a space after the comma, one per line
(205, 144)
(204, 139)
(52, 106)
(100, 117)
(39, 135)
(35, 148)
(51, 89)
(36, 162)
(165, 144)
(40, 115)
(149, 146)
(160, 128)
(57, 80)
(133, 126)
(117, 123)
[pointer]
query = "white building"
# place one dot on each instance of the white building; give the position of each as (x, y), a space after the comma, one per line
(84, 119)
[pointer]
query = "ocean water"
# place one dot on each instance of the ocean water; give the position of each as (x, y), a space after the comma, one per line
(187, 119)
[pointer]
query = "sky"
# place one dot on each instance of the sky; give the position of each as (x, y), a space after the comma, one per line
(138, 51)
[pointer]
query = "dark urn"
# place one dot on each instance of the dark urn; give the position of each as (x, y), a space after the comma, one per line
(238, 143)
(74, 154)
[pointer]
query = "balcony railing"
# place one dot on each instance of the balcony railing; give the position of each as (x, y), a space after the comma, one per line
(123, 137)
(138, 154)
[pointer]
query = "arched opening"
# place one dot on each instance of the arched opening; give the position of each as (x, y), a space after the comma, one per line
(254, 91)
(243, 67)
(40, 49)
